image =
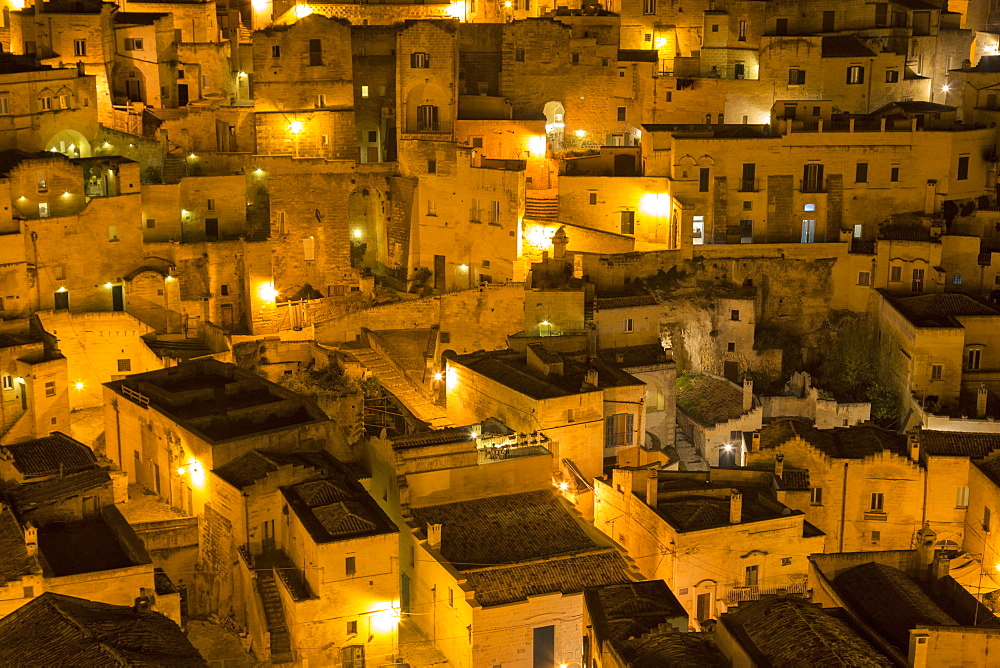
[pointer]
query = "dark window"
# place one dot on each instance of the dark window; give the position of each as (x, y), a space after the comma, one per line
(62, 300)
(894, 174)
(315, 52)
(703, 180)
(895, 274)
(574, 58)
(731, 347)
(275, 53)
(124, 365)
(812, 178)
(224, 290)
(781, 27)
(427, 119)
(519, 55)
(593, 198)
(350, 566)
(648, 6)
(743, 32)
(986, 518)
(373, 136)
(749, 181)
(150, 223)
(861, 172)
(816, 496)
(420, 60)
(881, 14)
(750, 575)
(628, 222)
(963, 168)
(917, 282)
(432, 166)
(891, 76)
(50, 389)
(796, 77)
(878, 502)
(855, 74)
(621, 113)
(352, 628)
(829, 21)
(734, 315)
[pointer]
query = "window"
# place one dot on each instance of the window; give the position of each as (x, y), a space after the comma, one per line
(494, 212)
(29, 592)
(703, 174)
(124, 365)
(519, 55)
(861, 172)
(781, 27)
(743, 32)
(746, 231)
(79, 47)
(112, 233)
(936, 371)
(750, 574)
(748, 183)
(350, 566)
(50, 389)
(8, 382)
(353, 656)
(593, 198)
(812, 178)
(648, 6)
(486, 264)
(876, 537)
(796, 77)
(786, 561)
(892, 76)
(627, 325)
(829, 21)
(46, 103)
(427, 118)
(816, 496)
(320, 101)
(451, 597)
(431, 209)
(731, 347)
(420, 60)
(963, 168)
(628, 222)
(61, 298)
(309, 249)
(734, 315)
(224, 290)
(352, 628)
(621, 114)
(133, 44)
(917, 284)
(574, 58)
(364, 91)
(618, 430)
(895, 274)
(315, 52)
(64, 101)
(962, 498)
(477, 142)
(43, 210)
(473, 213)
(855, 74)
(864, 278)
(275, 53)
(878, 501)
(211, 204)
(973, 358)
(986, 518)
(4, 106)
(881, 14)
(894, 174)
(956, 279)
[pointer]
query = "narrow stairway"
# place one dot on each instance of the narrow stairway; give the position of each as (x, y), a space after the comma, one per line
(281, 640)
(541, 208)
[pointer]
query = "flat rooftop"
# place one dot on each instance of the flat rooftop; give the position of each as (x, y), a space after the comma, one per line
(86, 546)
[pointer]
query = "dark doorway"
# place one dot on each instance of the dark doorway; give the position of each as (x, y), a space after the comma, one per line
(117, 297)
(439, 269)
(625, 164)
(727, 457)
(62, 300)
(212, 229)
(544, 647)
(704, 606)
(731, 370)
(182, 95)
(24, 395)
(227, 317)
(404, 592)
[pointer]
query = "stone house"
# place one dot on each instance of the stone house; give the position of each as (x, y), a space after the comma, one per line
(35, 386)
(713, 413)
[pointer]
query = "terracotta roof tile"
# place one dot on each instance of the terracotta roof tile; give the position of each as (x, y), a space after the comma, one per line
(709, 400)
(608, 303)
(50, 455)
(674, 649)
(855, 442)
(32, 495)
(631, 356)
(958, 443)
(14, 560)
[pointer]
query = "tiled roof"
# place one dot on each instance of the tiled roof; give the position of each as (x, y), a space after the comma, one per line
(906, 232)
(845, 46)
(569, 575)
(790, 631)
(862, 247)
(620, 612)
(14, 560)
(631, 356)
(32, 495)
(791, 479)
(694, 512)
(504, 529)
(606, 303)
(256, 464)
(337, 508)
(671, 648)
(991, 468)
(888, 600)
(436, 437)
(709, 400)
(855, 442)
(11, 340)
(940, 310)
(958, 443)
(57, 630)
(50, 455)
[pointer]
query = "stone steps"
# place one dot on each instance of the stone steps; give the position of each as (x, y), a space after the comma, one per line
(399, 386)
(274, 614)
(541, 208)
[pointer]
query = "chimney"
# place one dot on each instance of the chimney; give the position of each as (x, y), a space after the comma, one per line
(930, 197)
(925, 547)
(31, 539)
(652, 489)
(434, 535)
(735, 507)
(722, 119)
(913, 444)
(981, 396)
(846, 236)
(81, 70)
(941, 566)
(141, 601)
(747, 395)
(755, 442)
(559, 243)
(591, 378)
(779, 466)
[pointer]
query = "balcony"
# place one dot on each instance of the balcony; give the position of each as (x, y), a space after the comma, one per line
(734, 594)
(812, 185)
(749, 185)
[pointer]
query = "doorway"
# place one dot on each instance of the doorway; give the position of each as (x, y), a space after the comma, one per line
(544, 647)
(182, 95)
(227, 317)
(62, 300)
(439, 272)
(212, 229)
(117, 297)
(731, 371)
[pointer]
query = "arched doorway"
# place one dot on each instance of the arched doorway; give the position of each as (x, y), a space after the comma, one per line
(129, 85)
(70, 143)
(555, 124)
(367, 229)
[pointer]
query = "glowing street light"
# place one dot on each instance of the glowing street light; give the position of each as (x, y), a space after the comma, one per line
(302, 11)
(78, 385)
(295, 127)
(268, 293)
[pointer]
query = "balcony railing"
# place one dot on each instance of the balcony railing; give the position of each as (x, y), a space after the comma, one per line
(735, 594)
(812, 185)
(749, 185)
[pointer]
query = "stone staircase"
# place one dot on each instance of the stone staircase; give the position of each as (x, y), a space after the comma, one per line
(281, 640)
(395, 382)
(541, 208)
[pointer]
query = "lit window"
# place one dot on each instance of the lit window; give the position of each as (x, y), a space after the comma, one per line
(816, 496)
(627, 325)
(79, 47)
(364, 91)
(878, 502)
(956, 279)
(936, 371)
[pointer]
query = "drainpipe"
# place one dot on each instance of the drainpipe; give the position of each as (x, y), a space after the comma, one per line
(843, 509)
